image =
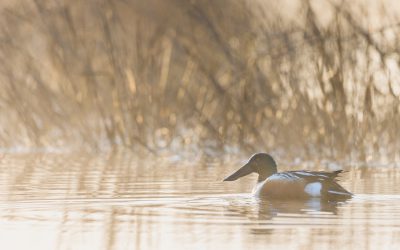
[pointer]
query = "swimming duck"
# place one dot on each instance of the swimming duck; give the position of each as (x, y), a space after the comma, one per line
(290, 184)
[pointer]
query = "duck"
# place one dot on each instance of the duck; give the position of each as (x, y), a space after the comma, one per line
(296, 185)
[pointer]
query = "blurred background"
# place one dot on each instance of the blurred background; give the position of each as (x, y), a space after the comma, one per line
(119, 119)
(298, 78)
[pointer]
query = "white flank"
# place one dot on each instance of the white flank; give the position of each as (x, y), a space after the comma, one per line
(313, 189)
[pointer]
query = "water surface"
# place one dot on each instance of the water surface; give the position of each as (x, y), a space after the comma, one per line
(118, 201)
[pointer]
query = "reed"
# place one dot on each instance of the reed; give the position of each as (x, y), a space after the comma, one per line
(226, 75)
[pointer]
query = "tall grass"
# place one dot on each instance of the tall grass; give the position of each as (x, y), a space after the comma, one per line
(243, 75)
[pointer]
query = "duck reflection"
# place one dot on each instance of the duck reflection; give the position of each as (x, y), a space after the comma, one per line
(270, 208)
(266, 209)
(265, 215)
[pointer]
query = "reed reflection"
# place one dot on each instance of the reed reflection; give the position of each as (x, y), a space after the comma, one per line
(117, 201)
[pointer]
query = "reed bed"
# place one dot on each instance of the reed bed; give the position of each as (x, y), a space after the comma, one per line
(301, 78)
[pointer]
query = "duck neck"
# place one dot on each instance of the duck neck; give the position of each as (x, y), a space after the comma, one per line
(262, 177)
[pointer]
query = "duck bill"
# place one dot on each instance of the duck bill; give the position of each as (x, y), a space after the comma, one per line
(243, 171)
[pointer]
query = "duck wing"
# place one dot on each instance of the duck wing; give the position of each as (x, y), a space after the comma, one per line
(312, 176)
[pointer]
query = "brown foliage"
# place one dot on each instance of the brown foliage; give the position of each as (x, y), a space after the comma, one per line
(220, 74)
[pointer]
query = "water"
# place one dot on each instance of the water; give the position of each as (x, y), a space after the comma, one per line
(118, 201)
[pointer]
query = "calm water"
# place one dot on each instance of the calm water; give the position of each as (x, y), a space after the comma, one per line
(117, 201)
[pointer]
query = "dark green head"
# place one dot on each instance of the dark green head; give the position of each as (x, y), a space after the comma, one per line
(261, 163)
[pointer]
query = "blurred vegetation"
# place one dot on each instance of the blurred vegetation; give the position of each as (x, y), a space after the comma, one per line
(302, 77)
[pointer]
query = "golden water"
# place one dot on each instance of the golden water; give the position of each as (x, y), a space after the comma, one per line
(117, 201)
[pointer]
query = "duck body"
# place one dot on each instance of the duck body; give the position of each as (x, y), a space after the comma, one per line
(291, 184)
(302, 185)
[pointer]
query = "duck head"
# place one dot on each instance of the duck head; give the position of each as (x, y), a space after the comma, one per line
(261, 163)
